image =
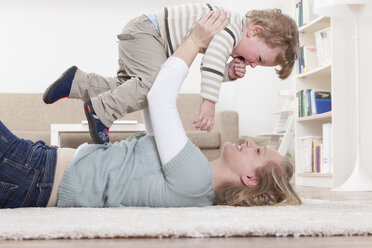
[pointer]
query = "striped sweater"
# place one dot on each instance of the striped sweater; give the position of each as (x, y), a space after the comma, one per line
(176, 22)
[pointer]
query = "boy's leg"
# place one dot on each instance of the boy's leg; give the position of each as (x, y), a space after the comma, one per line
(75, 83)
(141, 53)
(88, 85)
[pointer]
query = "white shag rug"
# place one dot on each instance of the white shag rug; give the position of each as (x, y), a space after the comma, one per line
(313, 218)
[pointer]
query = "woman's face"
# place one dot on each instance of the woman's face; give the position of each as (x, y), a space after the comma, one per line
(246, 158)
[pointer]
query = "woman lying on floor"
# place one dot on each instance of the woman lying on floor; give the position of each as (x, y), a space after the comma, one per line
(171, 172)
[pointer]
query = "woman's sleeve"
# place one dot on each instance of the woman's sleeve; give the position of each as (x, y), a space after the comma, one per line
(167, 126)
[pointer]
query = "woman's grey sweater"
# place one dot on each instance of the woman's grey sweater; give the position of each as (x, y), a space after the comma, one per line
(129, 173)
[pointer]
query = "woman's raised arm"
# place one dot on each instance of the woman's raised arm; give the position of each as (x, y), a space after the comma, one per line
(169, 133)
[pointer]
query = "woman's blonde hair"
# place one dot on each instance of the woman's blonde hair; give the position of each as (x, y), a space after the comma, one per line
(273, 188)
(280, 30)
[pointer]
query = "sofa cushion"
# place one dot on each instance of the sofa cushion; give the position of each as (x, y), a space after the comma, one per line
(203, 139)
(34, 136)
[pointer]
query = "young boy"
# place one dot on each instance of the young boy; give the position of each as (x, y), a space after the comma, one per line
(266, 38)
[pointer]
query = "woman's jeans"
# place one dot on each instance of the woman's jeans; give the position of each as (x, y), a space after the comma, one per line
(26, 171)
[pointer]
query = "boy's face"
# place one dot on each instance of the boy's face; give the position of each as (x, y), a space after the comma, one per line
(253, 49)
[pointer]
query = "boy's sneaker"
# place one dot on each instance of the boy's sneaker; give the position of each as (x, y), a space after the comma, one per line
(98, 131)
(61, 87)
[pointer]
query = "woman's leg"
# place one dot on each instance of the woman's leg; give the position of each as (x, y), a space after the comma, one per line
(26, 171)
(7, 138)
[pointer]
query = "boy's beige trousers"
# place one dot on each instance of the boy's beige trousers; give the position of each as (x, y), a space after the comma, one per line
(141, 53)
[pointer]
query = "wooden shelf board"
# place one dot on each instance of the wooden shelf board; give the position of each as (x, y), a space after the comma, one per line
(326, 115)
(314, 175)
(320, 71)
(316, 25)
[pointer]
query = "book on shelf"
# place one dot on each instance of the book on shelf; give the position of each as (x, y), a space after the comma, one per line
(305, 104)
(322, 101)
(300, 61)
(299, 103)
(304, 13)
(299, 13)
(313, 101)
(307, 59)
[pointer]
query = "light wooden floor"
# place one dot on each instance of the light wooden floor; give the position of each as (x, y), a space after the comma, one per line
(259, 242)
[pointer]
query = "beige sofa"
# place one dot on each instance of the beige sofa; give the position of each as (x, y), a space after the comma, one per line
(30, 118)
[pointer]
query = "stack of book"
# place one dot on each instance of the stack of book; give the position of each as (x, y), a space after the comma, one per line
(316, 155)
(322, 152)
(313, 101)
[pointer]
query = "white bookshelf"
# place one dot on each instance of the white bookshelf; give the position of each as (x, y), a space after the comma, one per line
(317, 78)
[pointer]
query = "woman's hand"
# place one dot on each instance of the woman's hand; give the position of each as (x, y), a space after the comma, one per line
(199, 38)
(209, 25)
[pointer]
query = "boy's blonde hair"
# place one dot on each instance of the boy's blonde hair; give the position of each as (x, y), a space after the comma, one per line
(273, 188)
(280, 30)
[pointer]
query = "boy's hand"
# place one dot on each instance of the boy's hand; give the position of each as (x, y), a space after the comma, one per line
(237, 68)
(205, 119)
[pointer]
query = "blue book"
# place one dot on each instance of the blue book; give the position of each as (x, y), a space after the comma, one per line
(323, 101)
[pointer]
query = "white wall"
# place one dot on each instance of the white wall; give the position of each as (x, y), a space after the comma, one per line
(41, 38)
